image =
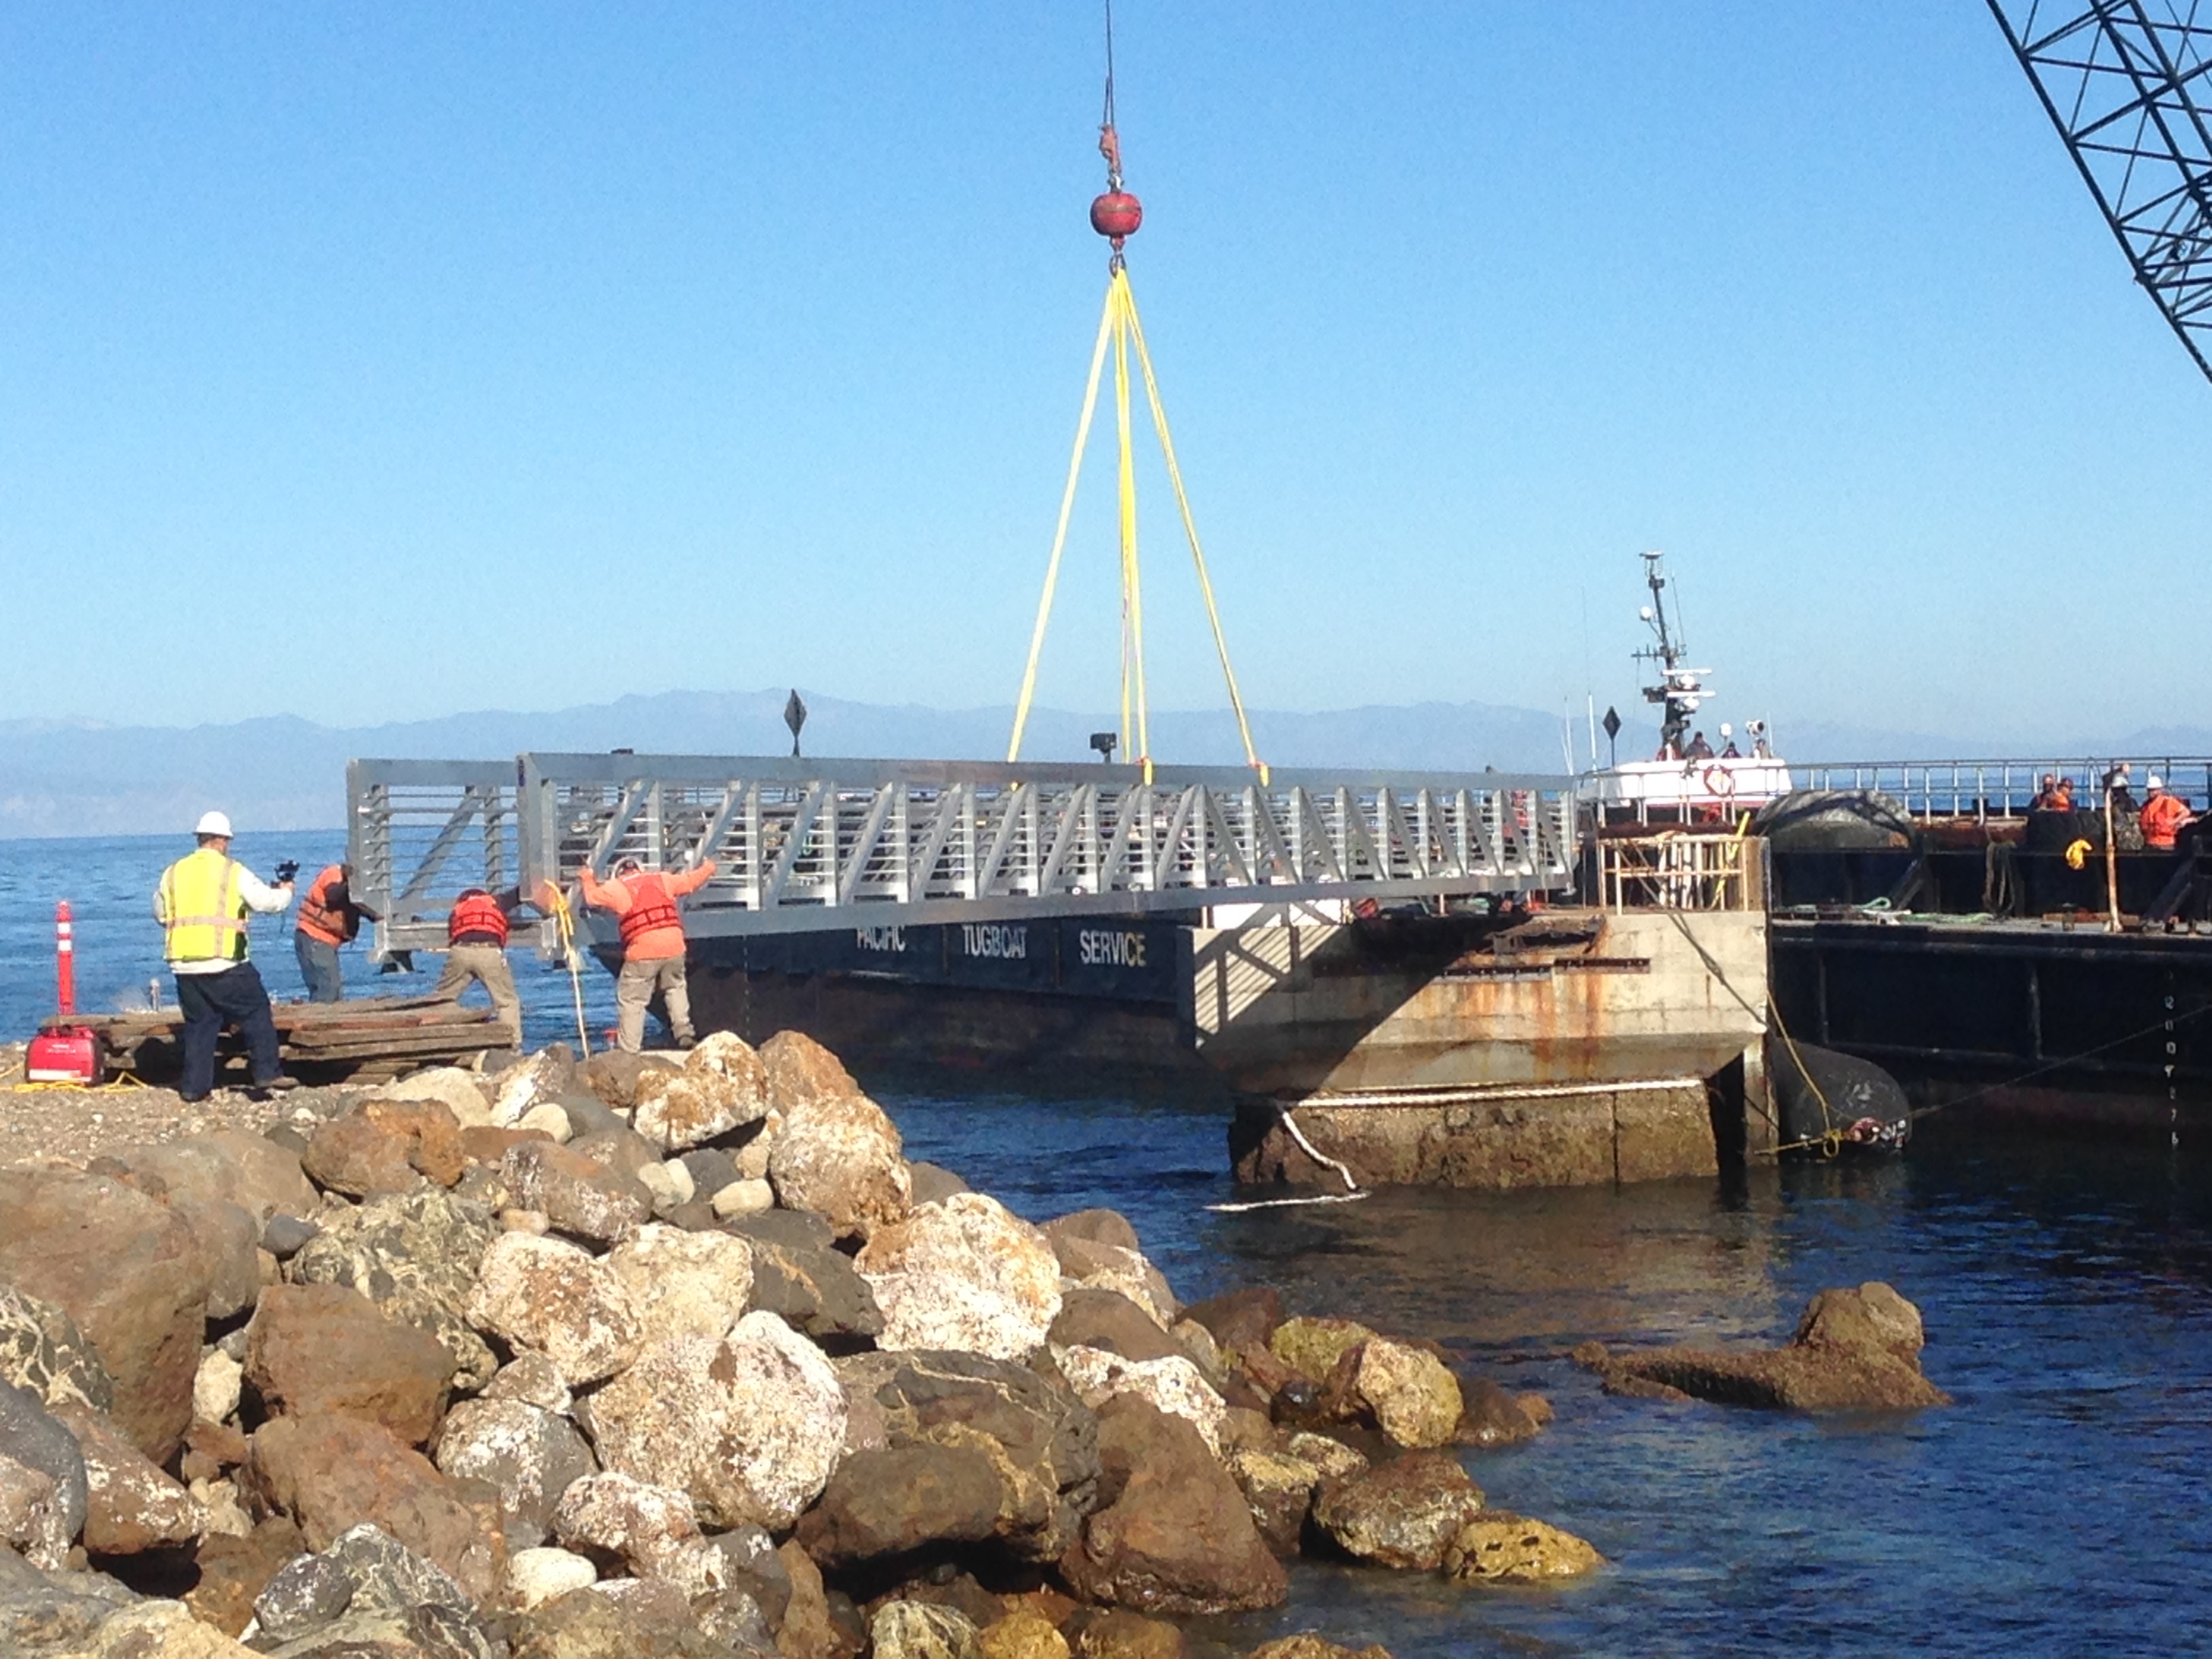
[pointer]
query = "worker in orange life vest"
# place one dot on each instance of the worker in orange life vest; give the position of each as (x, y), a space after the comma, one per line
(2164, 815)
(644, 902)
(476, 952)
(329, 918)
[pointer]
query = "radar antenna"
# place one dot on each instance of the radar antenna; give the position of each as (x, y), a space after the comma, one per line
(1680, 691)
(2121, 80)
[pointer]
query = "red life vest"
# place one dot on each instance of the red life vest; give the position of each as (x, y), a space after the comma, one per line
(650, 909)
(319, 920)
(476, 913)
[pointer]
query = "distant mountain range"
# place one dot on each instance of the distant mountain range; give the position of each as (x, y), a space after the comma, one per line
(80, 778)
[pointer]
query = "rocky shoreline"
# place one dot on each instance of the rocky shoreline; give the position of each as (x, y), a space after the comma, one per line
(681, 1355)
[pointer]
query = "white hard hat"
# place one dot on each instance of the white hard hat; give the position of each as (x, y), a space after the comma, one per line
(2156, 781)
(1725, 730)
(212, 824)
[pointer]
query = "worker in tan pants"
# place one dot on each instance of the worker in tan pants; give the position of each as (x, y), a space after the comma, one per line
(645, 904)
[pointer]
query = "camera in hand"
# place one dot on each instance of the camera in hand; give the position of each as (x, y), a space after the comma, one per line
(286, 869)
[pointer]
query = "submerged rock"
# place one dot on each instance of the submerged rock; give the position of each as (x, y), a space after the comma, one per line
(1855, 1349)
(1500, 1548)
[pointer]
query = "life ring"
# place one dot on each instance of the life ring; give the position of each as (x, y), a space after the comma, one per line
(1725, 787)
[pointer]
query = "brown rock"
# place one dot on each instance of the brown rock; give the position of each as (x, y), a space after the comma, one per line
(1117, 1633)
(1498, 1548)
(842, 1157)
(1240, 1319)
(234, 1571)
(127, 1269)
(357, 1156)
(579, 1195)
(800, 1071)
(893, 1501)
(1279, 1489)
(614, 1076)
(486, 1144)
(1308, 1645)
(211, 1449)
(330, 1473)
(131, 1505)
(324, 1348)
(1176, 1537)
(1094, 1227)
(1404, 1514)
(1106, 1319)
(432, 1134)
(807, 1631)
(226, 1166)
(1405, 1391)
(1490, 1417)
(228, 1239)
(1855, 1349)
(1022, 1635)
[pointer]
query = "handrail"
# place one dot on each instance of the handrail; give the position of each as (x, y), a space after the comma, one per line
(1999, 788)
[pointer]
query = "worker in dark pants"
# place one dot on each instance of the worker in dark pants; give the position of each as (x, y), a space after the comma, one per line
(203, 903)
(330, 919)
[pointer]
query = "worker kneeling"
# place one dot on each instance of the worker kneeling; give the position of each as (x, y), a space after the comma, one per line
(203, 903)
(645, 903)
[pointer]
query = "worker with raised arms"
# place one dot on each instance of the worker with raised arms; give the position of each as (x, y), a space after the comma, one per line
(203, 903)
(330, 919)
(645, 903)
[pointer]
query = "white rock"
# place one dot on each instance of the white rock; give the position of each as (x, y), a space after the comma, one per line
(723, 1086)
(752, 1158)
(522, 1086)
(215, 1386)
(922, 1630)
(748, 1426)
(618, 1515)
(1171, 1385)
(841, 1156)
(459, 1091)
(218, 1501)
(742, 1198)
(679, 1180)
(547, 1117)
(540, 1575)
(684, 1284)
(966, 1274)
(555, 1296)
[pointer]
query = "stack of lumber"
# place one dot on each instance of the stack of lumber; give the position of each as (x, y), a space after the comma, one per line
(377, 1037)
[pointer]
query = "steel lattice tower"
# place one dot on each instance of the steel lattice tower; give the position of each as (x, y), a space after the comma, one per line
(2127, 83)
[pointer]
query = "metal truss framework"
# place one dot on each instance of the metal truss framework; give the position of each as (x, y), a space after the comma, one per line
(2125, 83)
(805, 846)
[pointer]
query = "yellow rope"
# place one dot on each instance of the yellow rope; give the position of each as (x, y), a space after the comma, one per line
(1190, 530)
(564, 920)
(1059, 533)
(1132, 585)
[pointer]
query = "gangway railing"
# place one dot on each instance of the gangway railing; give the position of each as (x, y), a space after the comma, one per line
(1983, 790)
(804, 845)
(420, 832)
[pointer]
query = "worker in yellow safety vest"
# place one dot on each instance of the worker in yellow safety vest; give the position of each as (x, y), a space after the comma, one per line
(203, 903)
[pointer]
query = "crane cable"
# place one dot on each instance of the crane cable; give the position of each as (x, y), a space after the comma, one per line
(1120, 326)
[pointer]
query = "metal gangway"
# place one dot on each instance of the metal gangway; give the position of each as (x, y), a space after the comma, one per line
(812, 845)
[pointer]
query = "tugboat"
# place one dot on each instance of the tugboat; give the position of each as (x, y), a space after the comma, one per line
(1687, 782)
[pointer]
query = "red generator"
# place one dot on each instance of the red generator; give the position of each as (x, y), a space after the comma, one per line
(73, 1054)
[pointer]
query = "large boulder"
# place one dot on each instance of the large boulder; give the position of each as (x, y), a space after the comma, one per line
(1311, 1347)
(576, 1192)
(332, 1473)
(723, 1086)
(749, 1425)
(1855, 1349)
(618, 1521)
(228, 1241)
(226, 1166)
(1177, 1537)
(966, 1275)
(44, 1493)
(648, 1620)
(529, 1456)
(459, 1091)
(315, 1348)
(358, 1156)
(1402, 1514)
(1240, 1319)
(545, 1075)
(550, 1295)
(1099, 1249)
(1279, 1489)
(415, 1256)
(42, 1350)
(1041, 1441)
(613, 1077)
(43, 1614)
(812, 1287)
(1173, 1385)
(841, 1159)
(1117, 1633)
(131, 1505)
(367, 1594)
(891, 1501)
(1105, 1319)
(800, 1071)
(1406, 1392)
(1499, 1548)
(130, 1272)
(684, 1284)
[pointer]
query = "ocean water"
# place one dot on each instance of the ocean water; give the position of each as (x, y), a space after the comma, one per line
(2058, 1507)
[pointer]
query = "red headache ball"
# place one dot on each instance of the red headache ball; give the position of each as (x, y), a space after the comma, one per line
(1116, 214)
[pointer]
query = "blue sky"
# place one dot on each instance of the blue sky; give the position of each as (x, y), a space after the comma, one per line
(378, 361)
